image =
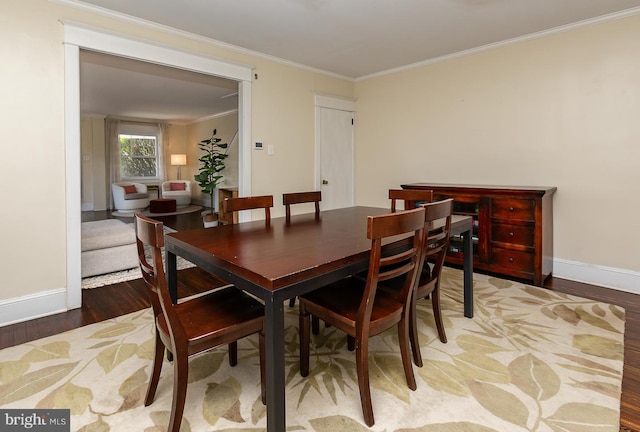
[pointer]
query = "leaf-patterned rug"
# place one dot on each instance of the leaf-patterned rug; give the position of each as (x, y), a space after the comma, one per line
(530, 360)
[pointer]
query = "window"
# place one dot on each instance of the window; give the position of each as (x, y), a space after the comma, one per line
(138, 156)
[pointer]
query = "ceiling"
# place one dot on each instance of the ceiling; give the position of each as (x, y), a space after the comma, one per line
(120, 87)
(349, 38)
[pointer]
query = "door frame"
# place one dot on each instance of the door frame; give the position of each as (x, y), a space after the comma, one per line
(78, 37)
(337, 103)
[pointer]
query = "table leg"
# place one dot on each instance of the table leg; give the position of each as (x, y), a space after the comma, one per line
(468, 272)
(274, 353)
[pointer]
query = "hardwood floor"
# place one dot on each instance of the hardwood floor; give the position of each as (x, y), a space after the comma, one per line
(122, 298)
(630, 401)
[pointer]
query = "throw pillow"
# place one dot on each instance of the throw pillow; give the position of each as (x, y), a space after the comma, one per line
(129, 189)
(177, 186)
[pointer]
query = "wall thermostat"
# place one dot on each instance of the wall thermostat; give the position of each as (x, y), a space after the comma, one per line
(258, 146)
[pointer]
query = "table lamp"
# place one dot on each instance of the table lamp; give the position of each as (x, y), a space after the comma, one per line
(178, 160)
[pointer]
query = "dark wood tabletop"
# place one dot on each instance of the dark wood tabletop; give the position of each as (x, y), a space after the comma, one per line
(281, 260)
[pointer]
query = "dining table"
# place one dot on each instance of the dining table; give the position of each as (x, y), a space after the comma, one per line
(278, 260)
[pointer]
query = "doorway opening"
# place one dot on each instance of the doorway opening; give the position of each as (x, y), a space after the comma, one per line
(81, 37)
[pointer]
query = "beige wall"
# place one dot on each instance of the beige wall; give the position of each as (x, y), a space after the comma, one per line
(563, 110)
(31, 107)
(176, 144)
(32, 87)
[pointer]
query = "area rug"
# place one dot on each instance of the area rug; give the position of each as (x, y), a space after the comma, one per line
(529, 360)
(181, 210)
(130, 274)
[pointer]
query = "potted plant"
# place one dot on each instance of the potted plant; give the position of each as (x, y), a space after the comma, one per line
(210, 172)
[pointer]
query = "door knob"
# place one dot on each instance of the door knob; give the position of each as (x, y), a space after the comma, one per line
(325, 182)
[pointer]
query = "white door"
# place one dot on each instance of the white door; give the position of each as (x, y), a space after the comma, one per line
(335, 152)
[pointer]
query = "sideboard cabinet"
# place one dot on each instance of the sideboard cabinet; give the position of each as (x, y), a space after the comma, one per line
(223, 217)
(513, 227)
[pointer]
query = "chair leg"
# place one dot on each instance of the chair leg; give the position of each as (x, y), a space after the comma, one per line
(155, 372)
(233, 353)
(304, 340)
(315, 325)
(405, 351)
(437, 313)
(351, 343)
(362, 366)
(263, 375)
(413, 334)
(180, 379)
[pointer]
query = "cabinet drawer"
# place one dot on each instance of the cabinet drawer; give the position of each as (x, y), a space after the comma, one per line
(513, 234)
(510, 259)
(513, 208)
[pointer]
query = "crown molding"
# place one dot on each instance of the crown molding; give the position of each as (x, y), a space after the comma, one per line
(561, 29)
(187, 35)
(214, 116)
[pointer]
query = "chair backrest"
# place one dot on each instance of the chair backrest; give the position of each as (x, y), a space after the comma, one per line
(438, 230)
(150, 233)
(412, 197)
(299, 198)
(249, 203)
(404, 262)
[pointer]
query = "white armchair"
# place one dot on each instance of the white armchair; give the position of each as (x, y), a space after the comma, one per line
(125, 200)
(180, 190)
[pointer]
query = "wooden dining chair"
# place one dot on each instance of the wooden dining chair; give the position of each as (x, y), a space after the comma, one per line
(216, 318)
(250, 203)
(411, 197)
(437, 232)
(300, 198)
(361, 310)
(291, 198)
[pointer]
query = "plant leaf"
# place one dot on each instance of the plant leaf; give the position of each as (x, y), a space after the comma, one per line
(34, 382)
(534, 377)
(500, 403)
(55, 350)
(582, 417)
(113, 356)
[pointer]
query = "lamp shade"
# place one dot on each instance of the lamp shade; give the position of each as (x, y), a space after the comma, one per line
(179, 159)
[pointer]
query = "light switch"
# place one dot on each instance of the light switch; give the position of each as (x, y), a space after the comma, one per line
(270, 150)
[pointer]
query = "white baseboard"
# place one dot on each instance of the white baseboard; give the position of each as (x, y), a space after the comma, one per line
(87, 207)
(609, 277)
(34, 306)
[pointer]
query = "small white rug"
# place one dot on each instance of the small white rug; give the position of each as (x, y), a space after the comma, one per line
(127, 275)
(146, 212)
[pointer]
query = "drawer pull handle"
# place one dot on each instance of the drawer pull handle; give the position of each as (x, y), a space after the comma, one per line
(511, 234)
(511, 209)
(510, 260)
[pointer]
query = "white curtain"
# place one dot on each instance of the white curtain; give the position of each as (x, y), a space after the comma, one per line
(163, 143)
(113, 155)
